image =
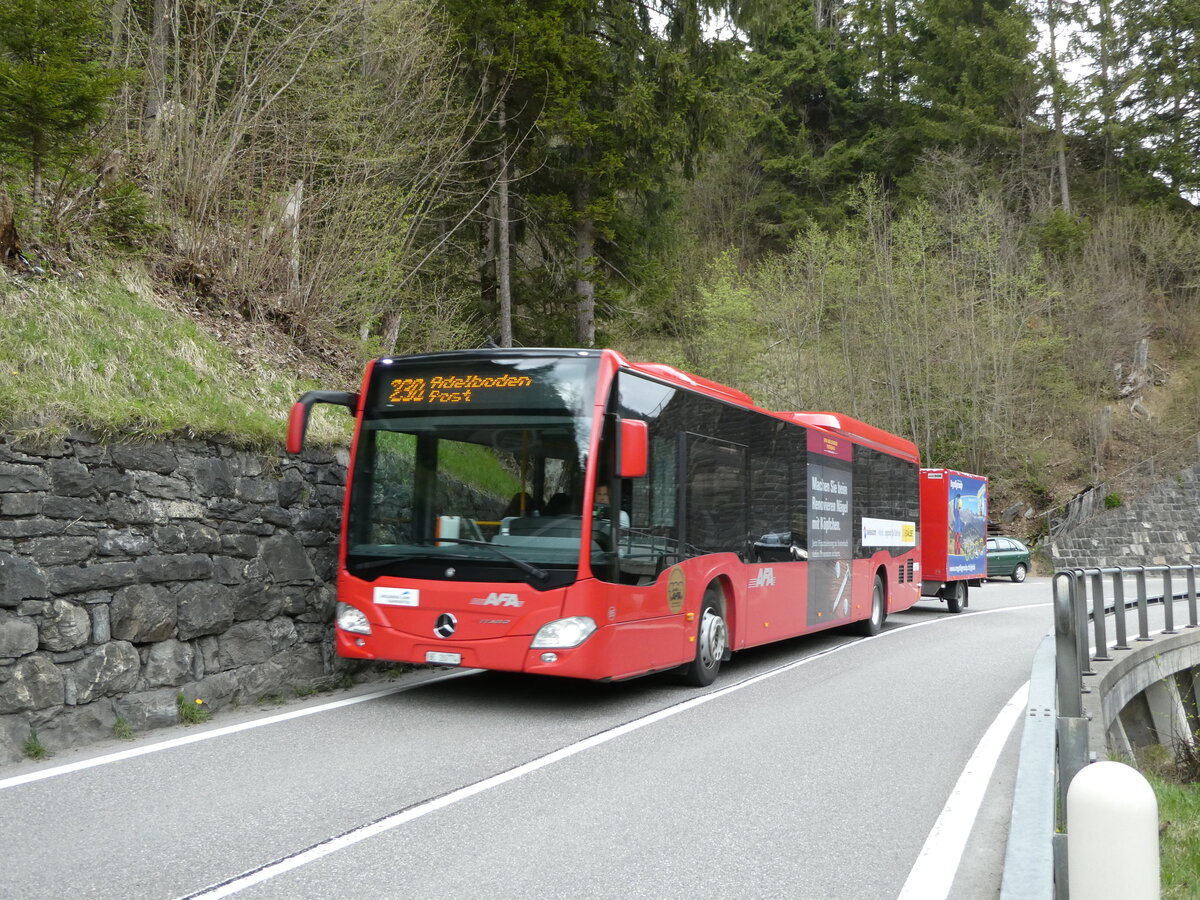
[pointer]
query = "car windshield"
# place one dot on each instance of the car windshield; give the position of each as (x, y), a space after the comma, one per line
(472, 469)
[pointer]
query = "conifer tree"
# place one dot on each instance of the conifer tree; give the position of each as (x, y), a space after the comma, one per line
(53, 87)
(605, 106)
(973, 76)
(1161, 111)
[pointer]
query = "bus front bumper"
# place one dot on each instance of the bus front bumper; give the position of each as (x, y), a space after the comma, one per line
(611, 652)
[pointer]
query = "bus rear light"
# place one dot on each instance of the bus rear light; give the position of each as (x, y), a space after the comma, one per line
(352, 619)
(562, 633)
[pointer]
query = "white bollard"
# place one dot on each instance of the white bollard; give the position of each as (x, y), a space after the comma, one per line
(1112, 834)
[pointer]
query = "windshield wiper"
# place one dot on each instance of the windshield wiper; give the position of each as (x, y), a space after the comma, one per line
(527, 568)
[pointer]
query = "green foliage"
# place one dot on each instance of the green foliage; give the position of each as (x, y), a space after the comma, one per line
(1113, 501)
(940, 322)
(192, 712)
(122, 730)
(729, 328)
(126, 214)
(34, 748)
(53, 87)
(1061, 234)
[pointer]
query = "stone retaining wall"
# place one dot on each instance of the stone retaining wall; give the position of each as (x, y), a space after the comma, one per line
(1162, 527)
(131, 574)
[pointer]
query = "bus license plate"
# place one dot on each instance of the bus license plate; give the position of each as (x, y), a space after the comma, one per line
(443, 659)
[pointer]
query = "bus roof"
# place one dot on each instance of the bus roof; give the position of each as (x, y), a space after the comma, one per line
(695, 382)
(857, 431)
(837, 423)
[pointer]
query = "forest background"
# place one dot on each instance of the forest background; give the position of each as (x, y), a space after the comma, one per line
(970, 222)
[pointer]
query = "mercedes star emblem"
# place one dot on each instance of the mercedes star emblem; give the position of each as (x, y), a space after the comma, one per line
(446, 624)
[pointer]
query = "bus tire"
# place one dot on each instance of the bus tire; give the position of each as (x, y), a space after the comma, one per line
(1018, 574)
(873, 624)
(712, 639)
(956, 596)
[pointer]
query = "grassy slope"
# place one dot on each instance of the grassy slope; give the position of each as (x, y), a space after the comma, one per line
(103, 352)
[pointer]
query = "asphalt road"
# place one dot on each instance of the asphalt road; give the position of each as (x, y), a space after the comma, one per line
(815, 768)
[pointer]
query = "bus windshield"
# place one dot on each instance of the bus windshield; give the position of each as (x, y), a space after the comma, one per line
(473, 470)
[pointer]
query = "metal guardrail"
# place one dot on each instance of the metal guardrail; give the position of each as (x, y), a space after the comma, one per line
(1054, 745)
(1029, 856)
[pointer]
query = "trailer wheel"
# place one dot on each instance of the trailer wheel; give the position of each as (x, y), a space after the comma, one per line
(712, 636)
(956, 596)
(873, 624)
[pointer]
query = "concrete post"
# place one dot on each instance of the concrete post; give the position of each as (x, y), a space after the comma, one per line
(1112, 834)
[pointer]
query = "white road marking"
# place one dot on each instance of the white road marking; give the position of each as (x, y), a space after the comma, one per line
(239, 883)
(121, 755)
(933, 873)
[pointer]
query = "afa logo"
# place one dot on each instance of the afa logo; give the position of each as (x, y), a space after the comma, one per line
(764, 578)
(497, 599)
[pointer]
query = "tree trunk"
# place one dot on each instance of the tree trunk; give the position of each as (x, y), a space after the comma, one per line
(1060, 140)
(291, 230)
(488, 275)
(156, 91)
(1108, 100)
(117, 31)
(892, 67)
(37, 184)
(9, 244)
(585, 287)
(502, 225)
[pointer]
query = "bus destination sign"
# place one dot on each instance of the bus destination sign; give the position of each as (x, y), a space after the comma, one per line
(435, 390)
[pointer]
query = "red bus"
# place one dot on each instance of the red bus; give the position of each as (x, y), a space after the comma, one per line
(568, 512)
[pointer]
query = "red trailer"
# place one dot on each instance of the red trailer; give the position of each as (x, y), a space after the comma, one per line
(953, 534)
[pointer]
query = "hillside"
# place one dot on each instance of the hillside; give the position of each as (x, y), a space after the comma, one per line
(114, 353)
(926, 223)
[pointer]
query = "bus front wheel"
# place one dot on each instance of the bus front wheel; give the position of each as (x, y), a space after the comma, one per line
(712, 637)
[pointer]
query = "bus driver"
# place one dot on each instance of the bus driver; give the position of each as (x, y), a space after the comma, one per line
(603, 503)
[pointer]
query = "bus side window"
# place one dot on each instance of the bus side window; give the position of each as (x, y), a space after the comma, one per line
(716, 495)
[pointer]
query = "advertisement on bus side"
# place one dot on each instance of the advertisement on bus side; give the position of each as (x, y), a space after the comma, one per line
(966, 539)
(830, 544)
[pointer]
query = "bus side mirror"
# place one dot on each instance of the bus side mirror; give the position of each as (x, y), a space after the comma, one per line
(298, 418)
(634, 449)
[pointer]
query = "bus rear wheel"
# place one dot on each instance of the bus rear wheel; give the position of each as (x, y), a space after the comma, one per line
(712, 638)
(873, 624)
(956, 596)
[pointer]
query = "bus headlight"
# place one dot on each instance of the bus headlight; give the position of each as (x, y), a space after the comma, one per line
(350, 618)
(564, 632)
